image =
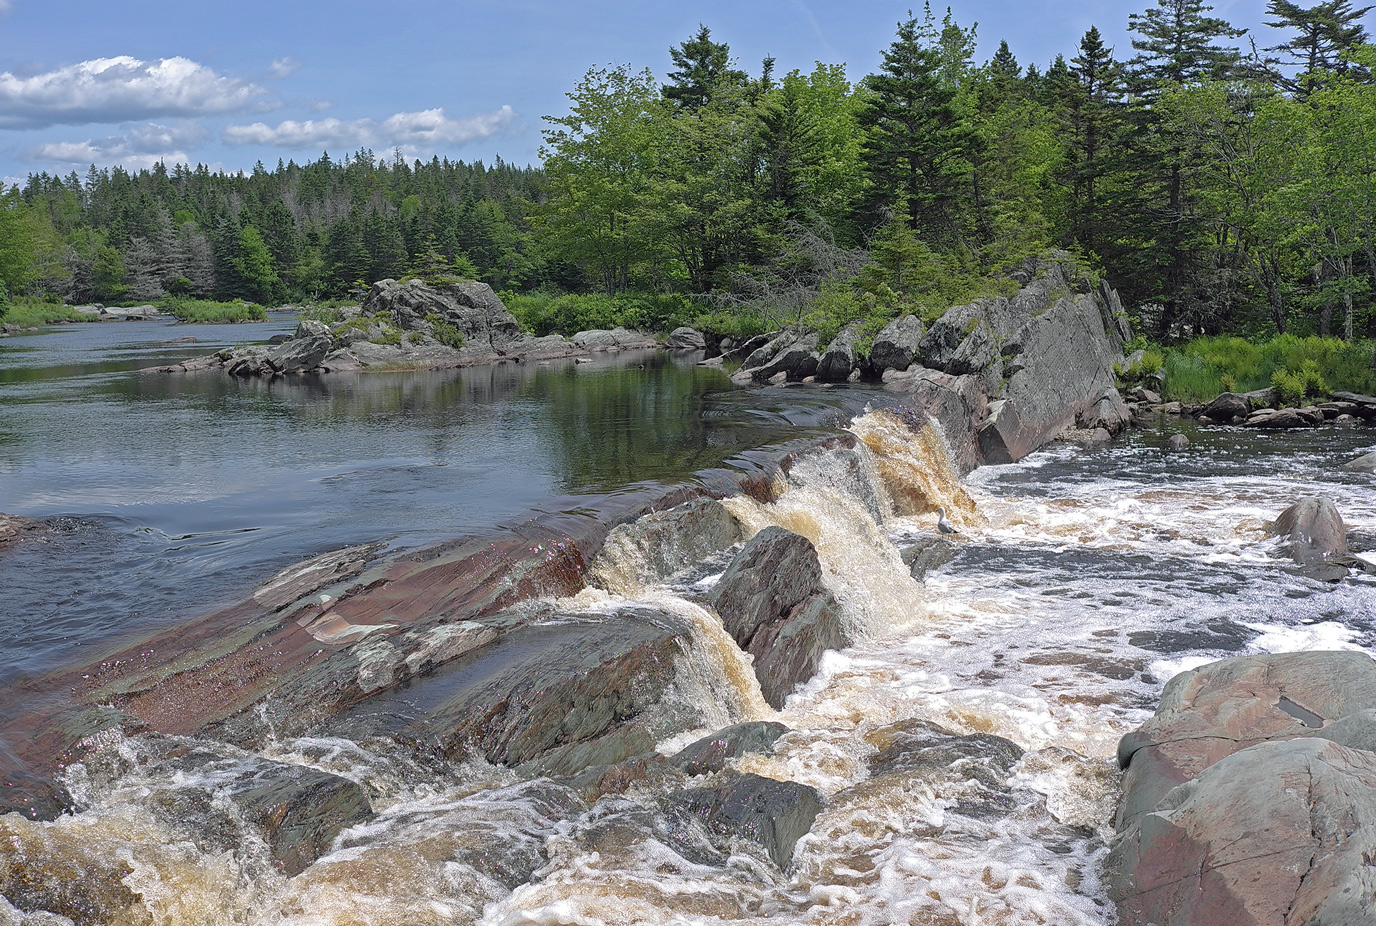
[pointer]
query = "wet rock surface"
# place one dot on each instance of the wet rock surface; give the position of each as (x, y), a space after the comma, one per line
(772, 814)
(772, 602)
(974, 768)
(1313, 530)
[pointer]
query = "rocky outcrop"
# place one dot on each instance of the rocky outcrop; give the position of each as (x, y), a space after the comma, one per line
(789, 355)
(412, 326)
(772, 602)
(1227, 408)
(14, 528)
(598, 340)
(1028, 366)
(1251, 795)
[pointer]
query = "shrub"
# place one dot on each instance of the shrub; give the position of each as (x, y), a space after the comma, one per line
(210, 312)
(447, 334)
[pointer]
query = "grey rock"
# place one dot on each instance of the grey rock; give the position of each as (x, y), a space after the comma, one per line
(305, 351)
(615, 339)
(896, 346)
(472, 308)
(772, 602)
(838, 361)
(1044, 356)
(1284, 418)
(773, 814)
(711, 753)
(1227, 408)
(1366, 463)
(1178, 442)
(927, 555)
(654, 547)
(551, 693)
(1313, 529)
(792, 353)
(685, 338)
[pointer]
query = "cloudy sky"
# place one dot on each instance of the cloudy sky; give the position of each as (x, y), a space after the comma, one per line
(133, 82)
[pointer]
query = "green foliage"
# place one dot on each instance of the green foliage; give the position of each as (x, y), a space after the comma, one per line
(445, 333)
(329, 314)
(31, 312)
(567, 314)
(1296, 367)
(210, 312)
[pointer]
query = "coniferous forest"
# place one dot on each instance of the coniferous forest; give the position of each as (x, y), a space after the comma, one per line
(1223, 182)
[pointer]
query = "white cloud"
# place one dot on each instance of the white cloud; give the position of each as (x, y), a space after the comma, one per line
(282, 67)
(426, 129)
(140, 146)
(5, 7)
(120, 89)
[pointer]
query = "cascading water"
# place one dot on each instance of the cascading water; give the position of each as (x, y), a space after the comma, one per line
(964, 744)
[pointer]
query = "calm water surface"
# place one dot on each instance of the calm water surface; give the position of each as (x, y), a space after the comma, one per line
(172, 493)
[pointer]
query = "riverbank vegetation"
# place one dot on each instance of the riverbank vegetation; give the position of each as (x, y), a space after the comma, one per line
(1296, 367)
(1224, 183)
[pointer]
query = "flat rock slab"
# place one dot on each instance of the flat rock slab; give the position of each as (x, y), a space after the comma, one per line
(557, 694)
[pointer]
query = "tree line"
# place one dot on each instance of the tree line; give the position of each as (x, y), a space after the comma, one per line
(1223, 182)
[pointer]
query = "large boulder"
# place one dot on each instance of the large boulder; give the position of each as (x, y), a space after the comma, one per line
(1366, 463)
(896, 346)
(772, 602)
(1215, 710)
(472, 308)
(1227, 408)
(685, 338)
(838, 361)
(1279, 834)
(1313, 530)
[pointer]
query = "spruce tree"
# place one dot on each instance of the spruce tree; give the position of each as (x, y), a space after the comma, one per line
(1324, 32)
(919, 143)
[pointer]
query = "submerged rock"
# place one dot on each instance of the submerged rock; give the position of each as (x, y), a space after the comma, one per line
(772, 814)
(1366, 463)
(970, 770)
(772, 602)
(711, 753)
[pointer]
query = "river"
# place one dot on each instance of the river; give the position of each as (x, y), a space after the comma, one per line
(1082, 580)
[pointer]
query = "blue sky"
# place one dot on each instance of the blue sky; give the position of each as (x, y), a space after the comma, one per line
(130, 82)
